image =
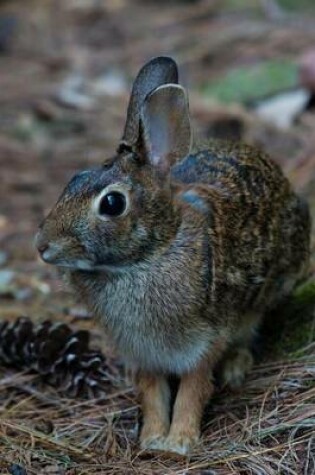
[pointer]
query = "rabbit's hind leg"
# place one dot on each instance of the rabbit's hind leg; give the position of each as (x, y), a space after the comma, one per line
(238, 358)
(235, 366)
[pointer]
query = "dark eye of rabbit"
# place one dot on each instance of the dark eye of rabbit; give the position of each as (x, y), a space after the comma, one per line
(112, 204)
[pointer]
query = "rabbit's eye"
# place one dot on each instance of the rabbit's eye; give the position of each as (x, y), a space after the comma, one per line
(112, 204)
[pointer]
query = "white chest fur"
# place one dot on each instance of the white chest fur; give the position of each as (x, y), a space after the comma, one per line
(152, 324)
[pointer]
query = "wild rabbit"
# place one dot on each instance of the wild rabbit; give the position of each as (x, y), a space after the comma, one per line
(179, 252)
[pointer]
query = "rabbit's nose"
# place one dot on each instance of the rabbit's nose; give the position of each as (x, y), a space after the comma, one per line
(42, 247)
(41, 244)
(47, 252)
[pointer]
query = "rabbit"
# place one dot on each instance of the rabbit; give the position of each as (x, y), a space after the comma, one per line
(179, 249)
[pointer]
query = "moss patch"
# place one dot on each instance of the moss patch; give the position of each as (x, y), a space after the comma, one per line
(300, 5)
(251, 83)
(291, 326)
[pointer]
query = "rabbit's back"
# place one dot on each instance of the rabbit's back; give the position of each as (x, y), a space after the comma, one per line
(229, 165)
(261, 227)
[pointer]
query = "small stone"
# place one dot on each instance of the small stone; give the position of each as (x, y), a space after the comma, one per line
(8, 24)
(17, 469)
(282, 109)
(3, 258)
(23, 294)
(44, 426)
(80, 313)
(6, 277)
(112, 83)
(72, 93)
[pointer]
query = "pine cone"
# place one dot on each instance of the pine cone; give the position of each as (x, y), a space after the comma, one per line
(60, 355)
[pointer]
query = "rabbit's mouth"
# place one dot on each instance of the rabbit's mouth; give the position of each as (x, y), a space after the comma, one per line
(58, 254)
(82, 265)
(50, 256)
(72, 255)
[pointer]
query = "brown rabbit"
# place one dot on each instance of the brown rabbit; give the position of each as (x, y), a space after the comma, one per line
(179, 251)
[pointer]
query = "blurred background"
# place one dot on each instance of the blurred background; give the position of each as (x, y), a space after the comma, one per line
(66, 68)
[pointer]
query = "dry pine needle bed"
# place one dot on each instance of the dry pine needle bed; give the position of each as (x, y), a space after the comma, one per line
(266, 428)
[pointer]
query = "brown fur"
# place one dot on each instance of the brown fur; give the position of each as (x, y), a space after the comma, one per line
(155, 397)
(210, 239)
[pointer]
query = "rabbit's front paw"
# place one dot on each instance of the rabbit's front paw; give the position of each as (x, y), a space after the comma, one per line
(181, 443)
(153, 435)
(153, 442)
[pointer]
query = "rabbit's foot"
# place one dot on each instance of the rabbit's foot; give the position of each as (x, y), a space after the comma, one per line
(153, 435)
(236, 365)
(153, 442)
(181, 443)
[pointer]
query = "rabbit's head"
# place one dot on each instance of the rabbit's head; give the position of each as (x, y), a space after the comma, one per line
(123, 212)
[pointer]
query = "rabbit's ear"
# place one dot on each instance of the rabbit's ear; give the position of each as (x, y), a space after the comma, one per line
(158, 71)
(165, 127)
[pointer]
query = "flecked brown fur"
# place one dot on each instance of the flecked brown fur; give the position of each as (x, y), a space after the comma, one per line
(211, 238)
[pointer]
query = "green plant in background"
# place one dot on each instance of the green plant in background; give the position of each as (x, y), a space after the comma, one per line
(297, 5)
(291, 327)
(250, 83)
(256, 5)
(242, 4)
(305, 293)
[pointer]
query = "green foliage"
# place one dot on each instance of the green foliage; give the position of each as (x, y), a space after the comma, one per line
(241, 4)
(297, 5)
(305, 293)
(246, 84)
(286, 5)
(291, 326)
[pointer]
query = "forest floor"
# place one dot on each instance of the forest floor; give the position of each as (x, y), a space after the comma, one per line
(65, 74)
